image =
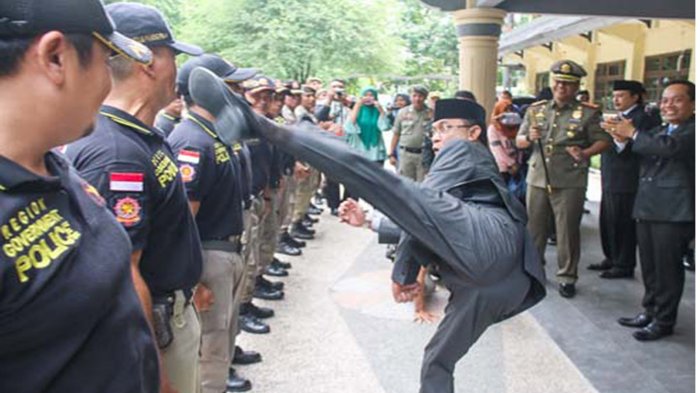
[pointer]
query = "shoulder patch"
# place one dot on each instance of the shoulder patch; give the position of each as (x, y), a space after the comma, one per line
(189, 156)
(126, 181)
(187, 172)
(128, 211)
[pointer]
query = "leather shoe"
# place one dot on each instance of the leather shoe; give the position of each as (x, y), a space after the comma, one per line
(299, 231)
(246, 357)
(277, 263)
(616, 273)
(314, 210)
(259, 312)
(653, 331)
(252, 325)
(267, 294)
(311, 219)
(287, 238)
(638, 321)
(234, 383)
(334, 212)
(276, 271)
(267, 284)
(306, 224)
(287, 249)
(567, 290)
(605, 264)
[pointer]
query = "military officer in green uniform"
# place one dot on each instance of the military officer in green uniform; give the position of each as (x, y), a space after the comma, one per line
(565, 134)
(412, 124)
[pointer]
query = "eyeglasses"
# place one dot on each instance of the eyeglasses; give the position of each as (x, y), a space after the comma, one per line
(444, 128)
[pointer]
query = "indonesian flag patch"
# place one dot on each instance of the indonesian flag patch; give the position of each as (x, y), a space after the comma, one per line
(188, 156)
(126, 181)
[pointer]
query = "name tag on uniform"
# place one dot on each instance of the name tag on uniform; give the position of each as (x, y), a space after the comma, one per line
(126, 181)
(189, 156)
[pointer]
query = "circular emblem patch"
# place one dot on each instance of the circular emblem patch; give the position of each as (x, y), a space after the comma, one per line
(187, 172)
(128, 211)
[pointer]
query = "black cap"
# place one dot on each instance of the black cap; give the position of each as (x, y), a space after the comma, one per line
(633, 87)
(455, 108)
(28, 18)
(147, 25)
(240, 74)
(210, 61)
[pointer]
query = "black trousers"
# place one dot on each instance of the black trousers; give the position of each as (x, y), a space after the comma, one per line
(617, 230)
(661, 249)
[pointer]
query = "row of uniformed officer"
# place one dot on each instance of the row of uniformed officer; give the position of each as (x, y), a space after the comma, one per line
(66, 292)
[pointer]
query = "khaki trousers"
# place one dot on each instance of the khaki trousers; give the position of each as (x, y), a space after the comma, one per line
(566, 205)
(223, 274)
(287, 202)
(251, 247)
(269, 230)
(411, 165)
(181, 357)
(304, 193)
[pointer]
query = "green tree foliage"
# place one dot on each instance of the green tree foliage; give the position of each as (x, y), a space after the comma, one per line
(362, 40)
(296, 38)
(431, 44)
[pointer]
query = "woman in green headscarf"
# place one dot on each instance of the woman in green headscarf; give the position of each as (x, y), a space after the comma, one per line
(365, 125)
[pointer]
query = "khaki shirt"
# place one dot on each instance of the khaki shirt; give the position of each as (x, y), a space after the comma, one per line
(412, 126)
(575, 124)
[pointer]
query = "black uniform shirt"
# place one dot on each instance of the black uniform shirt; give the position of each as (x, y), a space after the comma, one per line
(242, 154)
(134, 169)
(210, 177)
(261, 157)
(166, 123)
(70, 319)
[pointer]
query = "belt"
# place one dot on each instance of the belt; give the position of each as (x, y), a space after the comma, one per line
(169, 299)
(228, 244)
(415, 150)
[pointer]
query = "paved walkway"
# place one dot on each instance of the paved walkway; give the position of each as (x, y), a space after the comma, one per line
(338, 330)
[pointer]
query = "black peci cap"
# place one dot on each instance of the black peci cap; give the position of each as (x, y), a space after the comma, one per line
(455, 108)
(211, 62)
(147, 25)
(28, 18)
(633, 87)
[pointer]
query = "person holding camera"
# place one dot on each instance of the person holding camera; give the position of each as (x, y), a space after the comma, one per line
(620, 179)
(365, 125)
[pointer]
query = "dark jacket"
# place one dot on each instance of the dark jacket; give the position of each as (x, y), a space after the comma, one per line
(667, 174)
(620, 170)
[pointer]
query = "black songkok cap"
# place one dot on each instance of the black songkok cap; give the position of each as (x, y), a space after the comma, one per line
(633, 87)
(454, 108)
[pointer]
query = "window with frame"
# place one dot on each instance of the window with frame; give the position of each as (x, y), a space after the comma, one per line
(661, 69)
(541, 81)
(605, 75)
